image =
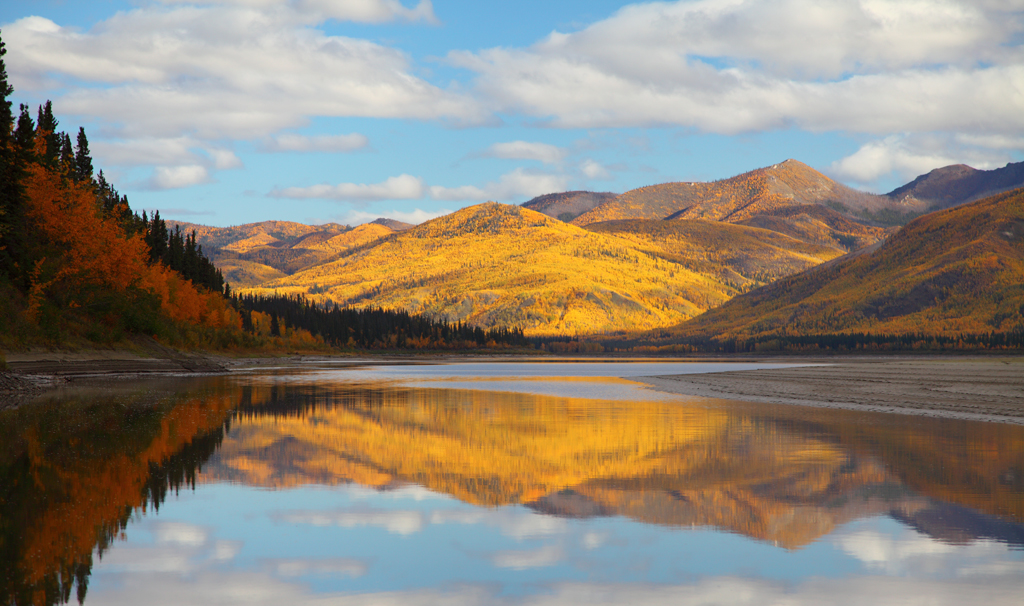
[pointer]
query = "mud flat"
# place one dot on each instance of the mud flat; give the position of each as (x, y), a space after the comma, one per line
(967, 388)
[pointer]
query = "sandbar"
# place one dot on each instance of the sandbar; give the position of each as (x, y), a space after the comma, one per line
(984, 389)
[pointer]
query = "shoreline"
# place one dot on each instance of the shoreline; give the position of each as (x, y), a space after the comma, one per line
(976, 389)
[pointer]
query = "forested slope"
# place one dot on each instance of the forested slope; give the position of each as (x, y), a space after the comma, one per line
(950, 273)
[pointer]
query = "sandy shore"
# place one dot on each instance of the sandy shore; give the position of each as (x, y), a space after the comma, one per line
(966, 388)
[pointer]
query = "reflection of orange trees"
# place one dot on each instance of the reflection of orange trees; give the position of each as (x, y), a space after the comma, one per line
(75, 471)
(657, 462)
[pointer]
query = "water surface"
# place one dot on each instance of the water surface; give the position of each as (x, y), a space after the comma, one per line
(496, 483)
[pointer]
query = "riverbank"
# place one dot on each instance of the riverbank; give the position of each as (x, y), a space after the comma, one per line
(987, 389)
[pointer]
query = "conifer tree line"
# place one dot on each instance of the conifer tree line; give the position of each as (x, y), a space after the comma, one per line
(371, 328)
(179, 252)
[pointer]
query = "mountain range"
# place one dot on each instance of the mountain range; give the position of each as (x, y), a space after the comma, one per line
(650, 258)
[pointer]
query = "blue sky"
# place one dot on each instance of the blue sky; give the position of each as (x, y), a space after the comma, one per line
(232, 111)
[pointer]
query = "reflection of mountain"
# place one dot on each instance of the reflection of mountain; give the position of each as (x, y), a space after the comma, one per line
(73, 471)
(786, 482)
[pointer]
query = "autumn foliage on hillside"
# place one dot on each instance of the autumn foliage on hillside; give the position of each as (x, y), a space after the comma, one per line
(954, 278)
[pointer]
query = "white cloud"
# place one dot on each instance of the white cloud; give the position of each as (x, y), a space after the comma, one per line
(175, 177)
(594, 170)
(223, 71)
(402, 187)
(733, 66)
(525, 150)
(361, 11)
(416, 216)
(908, 156)
(511, 186)
(289, 142)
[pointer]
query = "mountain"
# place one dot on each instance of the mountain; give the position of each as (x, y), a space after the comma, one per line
(393, 224)
(263, 233)
(497, 265)
(765, 190)
(245, 265)
(955, 271)
(954, 185)
(566, 206)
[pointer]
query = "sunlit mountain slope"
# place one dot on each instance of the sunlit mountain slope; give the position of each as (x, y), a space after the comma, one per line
(956, 271)
(245, 265)
(741, 197)
(566, 206)
(496, 265)
(737, 254)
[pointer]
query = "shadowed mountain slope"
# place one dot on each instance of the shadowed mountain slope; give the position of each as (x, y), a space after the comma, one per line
(956, 271)
(566, 206)
(958, 184)
(760, 191)
(496, 265)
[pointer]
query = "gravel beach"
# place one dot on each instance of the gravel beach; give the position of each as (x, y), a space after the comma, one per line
(968, 388)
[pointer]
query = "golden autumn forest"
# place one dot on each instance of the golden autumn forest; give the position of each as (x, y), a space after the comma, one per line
(780, 257)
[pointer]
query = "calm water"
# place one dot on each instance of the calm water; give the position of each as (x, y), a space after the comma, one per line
(502, 484)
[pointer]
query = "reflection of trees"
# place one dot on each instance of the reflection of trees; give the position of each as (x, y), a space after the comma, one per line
(73, 471)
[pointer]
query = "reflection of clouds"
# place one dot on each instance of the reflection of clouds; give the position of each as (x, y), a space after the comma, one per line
(334, 566)
(259, 590)
(882, 550)
(402, 522)
(909, 551)
(179, 533)
(593, 540)
(513, 524)
(530, 558)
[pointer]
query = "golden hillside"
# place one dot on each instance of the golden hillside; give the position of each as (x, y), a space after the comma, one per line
(790, 183)
(248, 263)
(737, 254)
(955, 271)
(220, 237)
(497, 265)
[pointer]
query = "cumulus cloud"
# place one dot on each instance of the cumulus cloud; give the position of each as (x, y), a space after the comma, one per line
(525, 150)
(308, 566)
(402, 187)
(289, 142)
(734, 66)
(361, 11)
(594, 170)
(224, 70)
(515, 185)
(415, 216)
(908, 156)
(176, 177)
(523, 559)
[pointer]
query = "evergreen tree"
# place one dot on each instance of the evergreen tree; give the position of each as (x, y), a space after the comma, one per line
(46, 123)
(25, 135)
(67, 155)
(10, 178)
(83, 161)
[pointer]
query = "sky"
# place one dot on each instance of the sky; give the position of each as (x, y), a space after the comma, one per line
(225, 112)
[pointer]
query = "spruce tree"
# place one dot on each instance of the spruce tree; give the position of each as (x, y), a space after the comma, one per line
(47, 123)
(83, 161)
(11, 171)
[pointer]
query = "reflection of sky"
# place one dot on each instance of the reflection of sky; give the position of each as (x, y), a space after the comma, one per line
(560, 379)
(230, 544)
